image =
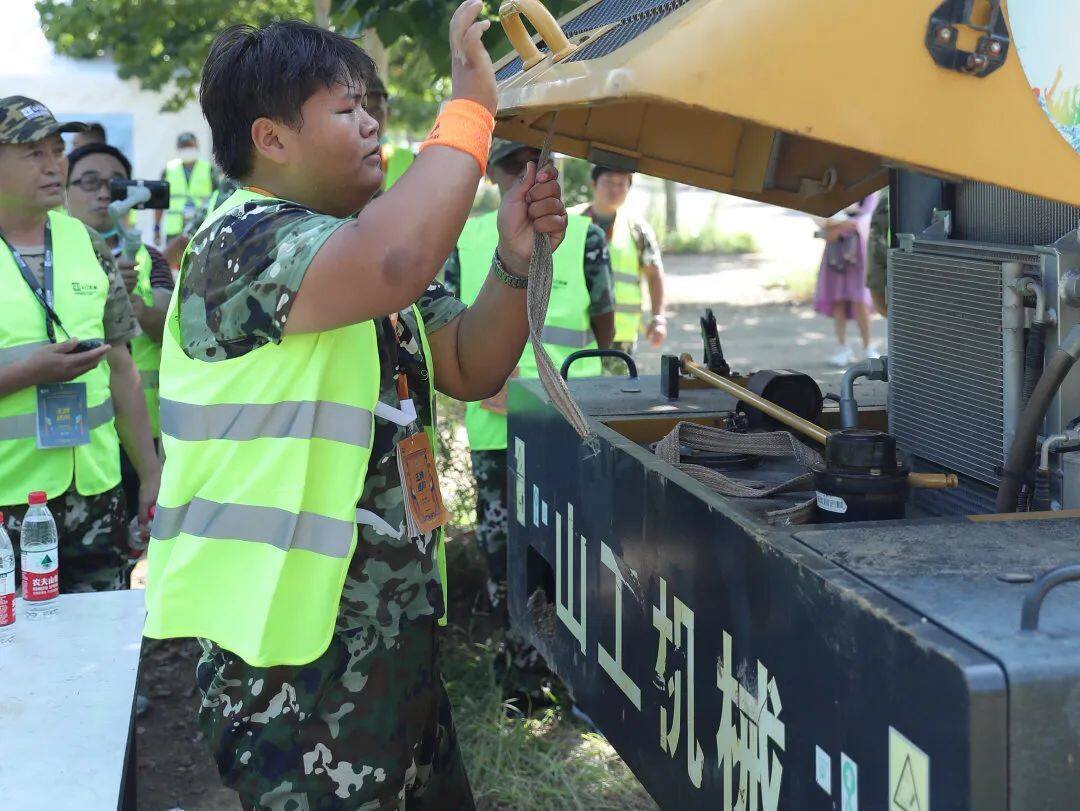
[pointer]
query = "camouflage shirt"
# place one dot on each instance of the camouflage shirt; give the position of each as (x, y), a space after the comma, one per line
(237, 284)
(596, 263)
(118, 319)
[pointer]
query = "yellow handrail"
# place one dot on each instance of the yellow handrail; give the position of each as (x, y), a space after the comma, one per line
(535, 12)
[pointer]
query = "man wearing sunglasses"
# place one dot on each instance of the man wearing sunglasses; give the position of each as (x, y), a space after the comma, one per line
(69, 390)
(148, 280)
(581, 315)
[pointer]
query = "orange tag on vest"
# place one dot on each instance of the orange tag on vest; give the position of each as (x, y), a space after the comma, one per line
(424, 509)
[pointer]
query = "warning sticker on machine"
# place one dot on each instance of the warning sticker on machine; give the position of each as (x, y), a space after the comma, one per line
(909, 775)
(833, 504)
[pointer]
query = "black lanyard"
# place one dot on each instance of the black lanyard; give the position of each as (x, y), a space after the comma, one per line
(43, 295)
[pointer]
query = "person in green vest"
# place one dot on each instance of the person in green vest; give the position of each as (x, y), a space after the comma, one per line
(148, 279)
(226, 188)
(301, 355)
(581, 315)
(635, 255)
(396, 159)
(65, 408)
(191, 181)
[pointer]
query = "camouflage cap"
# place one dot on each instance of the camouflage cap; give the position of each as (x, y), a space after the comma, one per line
(501, 150)
(24, 120)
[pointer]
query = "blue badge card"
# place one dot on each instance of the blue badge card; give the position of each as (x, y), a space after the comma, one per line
(61, 415)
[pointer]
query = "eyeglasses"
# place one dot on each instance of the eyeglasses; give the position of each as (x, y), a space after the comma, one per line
(92, 181)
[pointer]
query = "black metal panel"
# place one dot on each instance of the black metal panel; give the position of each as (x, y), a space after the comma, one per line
(913, 198)
(844, 661)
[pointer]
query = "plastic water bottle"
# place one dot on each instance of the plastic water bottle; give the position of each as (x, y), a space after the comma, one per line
(7, 587)
(40, 559)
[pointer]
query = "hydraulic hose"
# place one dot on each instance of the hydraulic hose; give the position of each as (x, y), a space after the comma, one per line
(1022, 451)
(871, 369)
(1033, 358)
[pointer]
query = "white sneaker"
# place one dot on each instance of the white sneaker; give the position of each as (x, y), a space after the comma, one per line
(843, 357)
(872, 352)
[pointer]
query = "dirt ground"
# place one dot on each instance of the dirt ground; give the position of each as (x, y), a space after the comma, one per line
(760, 328)
(175, 769)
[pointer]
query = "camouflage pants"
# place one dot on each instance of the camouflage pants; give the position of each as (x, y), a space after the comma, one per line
(616, 366)
(365, 726)
(519, 666)
(93, 539)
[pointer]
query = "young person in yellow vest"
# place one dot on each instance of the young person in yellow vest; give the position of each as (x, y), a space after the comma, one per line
(581, 315)
(635, 254)
(69, 391)
(191, 181)
(396, 159)
(148, 280)
(301, 355)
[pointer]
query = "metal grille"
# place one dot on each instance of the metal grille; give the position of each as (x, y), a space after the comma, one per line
(986, 213)
(610, 11)
(630, 28)
(969, 498)
(634, 18)
(946, 401)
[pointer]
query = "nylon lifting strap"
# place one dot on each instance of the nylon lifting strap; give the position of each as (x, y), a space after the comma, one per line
(719, 440)
(541, 268)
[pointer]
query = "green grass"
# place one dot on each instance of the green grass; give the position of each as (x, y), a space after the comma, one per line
(549, 762)
(710, 241)
(544, 763)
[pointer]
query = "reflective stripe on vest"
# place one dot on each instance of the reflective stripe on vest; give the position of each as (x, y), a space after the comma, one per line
(80, 289)
(15, 354)
(145, 351)
(240, 423)
(198, 190)
(625, 270)
(280, 529)
(567, 327)
(24, 426)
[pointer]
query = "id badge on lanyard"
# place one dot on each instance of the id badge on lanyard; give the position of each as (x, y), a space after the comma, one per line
(424, 508)
(62, 413)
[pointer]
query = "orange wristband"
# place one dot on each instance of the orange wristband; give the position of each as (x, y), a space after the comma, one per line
(466, 126)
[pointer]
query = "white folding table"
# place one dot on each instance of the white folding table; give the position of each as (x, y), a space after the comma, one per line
(67, 693)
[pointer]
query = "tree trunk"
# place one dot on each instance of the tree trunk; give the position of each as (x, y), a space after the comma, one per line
(671, 206)
(322, 12)
(374, 48)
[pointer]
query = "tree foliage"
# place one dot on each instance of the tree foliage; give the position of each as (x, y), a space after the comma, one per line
(162, 43)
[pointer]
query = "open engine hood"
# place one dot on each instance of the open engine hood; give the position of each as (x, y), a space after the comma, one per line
(803, 105)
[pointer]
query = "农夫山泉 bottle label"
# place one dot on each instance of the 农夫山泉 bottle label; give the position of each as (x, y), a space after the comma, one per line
(41, 574)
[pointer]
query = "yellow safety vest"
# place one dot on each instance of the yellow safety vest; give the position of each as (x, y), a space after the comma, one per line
(266, 456)
(626, 275)
(567, 327)
(197, 191)
(80, 289)
(145, 351)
